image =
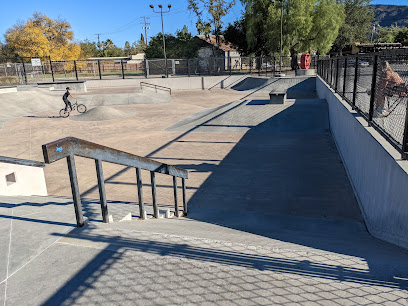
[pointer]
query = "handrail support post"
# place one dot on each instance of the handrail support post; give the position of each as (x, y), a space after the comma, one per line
(75, 190)
(102, 193)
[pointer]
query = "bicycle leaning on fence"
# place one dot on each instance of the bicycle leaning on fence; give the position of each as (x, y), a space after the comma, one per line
(81, 108)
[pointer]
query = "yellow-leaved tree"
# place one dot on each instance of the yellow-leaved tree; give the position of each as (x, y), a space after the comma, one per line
(43, 36)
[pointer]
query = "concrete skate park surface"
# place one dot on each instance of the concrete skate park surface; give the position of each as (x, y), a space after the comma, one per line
(33, 100)
(272, 219)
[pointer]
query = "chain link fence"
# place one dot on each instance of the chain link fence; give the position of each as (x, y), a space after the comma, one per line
(14, 71)
(376, 85)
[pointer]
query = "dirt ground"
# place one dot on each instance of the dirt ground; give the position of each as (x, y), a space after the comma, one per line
(143, 134)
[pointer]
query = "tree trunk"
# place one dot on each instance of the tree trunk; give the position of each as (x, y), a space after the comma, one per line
(293, 61)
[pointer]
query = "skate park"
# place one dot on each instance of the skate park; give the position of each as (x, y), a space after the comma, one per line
(277, 209)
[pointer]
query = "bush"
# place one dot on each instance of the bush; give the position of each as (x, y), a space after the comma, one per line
(9, 80)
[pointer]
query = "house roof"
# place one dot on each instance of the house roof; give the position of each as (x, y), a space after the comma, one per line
(224, 45)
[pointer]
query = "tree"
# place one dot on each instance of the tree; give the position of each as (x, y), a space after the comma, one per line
(109, 49)
(209, 15)
(357, 24)
(236, 34)
(43, 36)
(183, 45)
(392, 34)
(402, 36)
(127, 49)
(88, 49)
(307, 24)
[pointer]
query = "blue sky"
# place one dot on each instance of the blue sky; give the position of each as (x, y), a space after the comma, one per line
(119, 23)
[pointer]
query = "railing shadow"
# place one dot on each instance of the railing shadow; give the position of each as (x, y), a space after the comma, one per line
(132, 265)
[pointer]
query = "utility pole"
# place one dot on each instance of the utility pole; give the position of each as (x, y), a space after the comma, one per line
(99, 43)
(146, 26)
(373, 32)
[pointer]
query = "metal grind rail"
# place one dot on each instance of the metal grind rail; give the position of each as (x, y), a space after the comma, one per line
(155, 87)
(70, 147)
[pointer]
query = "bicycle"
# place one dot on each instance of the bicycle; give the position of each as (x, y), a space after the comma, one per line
(79, 107)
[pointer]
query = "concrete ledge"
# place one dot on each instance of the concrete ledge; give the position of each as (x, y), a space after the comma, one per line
(77, 86)
(277, 97)
(378, 175)
(8, 89)
(21, 180)
(304, 72)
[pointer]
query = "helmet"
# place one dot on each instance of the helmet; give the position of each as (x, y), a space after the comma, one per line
(67, 88)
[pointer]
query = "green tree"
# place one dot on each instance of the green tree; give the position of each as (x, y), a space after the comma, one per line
(109, 49)
(88, 49)
(236, 34)
(183, 45)
(402, 36)
(209, 15)
(357, 24)
(386, 34)
(127, 49)
(307, 24)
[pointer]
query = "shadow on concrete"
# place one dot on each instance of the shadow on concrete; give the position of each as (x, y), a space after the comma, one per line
(126, 267)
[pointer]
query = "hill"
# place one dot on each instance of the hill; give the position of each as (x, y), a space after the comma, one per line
(386, 15)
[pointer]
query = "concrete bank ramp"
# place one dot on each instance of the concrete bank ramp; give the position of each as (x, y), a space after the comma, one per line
(297, 87)
(118, 98)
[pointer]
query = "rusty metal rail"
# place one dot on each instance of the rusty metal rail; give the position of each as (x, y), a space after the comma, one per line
(164, 88)
(70, 146)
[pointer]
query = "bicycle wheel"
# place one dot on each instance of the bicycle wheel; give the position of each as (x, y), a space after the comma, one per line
(64, 113)
(81, 108)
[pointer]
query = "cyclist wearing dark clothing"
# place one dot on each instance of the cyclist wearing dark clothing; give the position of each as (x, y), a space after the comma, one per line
(65, 99)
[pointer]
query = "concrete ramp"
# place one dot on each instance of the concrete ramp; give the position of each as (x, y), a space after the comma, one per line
(296, 87)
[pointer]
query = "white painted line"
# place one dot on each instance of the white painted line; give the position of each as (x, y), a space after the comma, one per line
(8, 257)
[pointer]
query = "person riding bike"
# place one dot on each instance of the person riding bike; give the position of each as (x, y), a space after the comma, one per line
(65, 99)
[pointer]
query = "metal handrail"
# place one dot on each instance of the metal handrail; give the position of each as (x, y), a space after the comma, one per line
(155, 87)
(23, 162)
(71, 146)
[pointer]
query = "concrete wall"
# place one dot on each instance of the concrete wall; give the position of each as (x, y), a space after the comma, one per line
(8, 89)
(177, 83)
(376, 171)
(28, 180)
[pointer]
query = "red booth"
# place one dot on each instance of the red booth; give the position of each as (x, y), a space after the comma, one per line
(305, 61)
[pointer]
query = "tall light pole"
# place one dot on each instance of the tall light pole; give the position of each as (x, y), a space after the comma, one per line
(280, 68)
(281, 37)
(164, 41)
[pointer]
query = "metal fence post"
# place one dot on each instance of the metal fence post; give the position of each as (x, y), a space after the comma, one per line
(52, 71)
(99, 69)
(76, 72)
(337, 75)
(75, 190)
(259, 65)
(24, 71)
(331, 72)
(344, 77)
(123, 71)
(188, 67)
(404, 151)
(102, 193)
(250, 65)
(373, 85)
(355, 82)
